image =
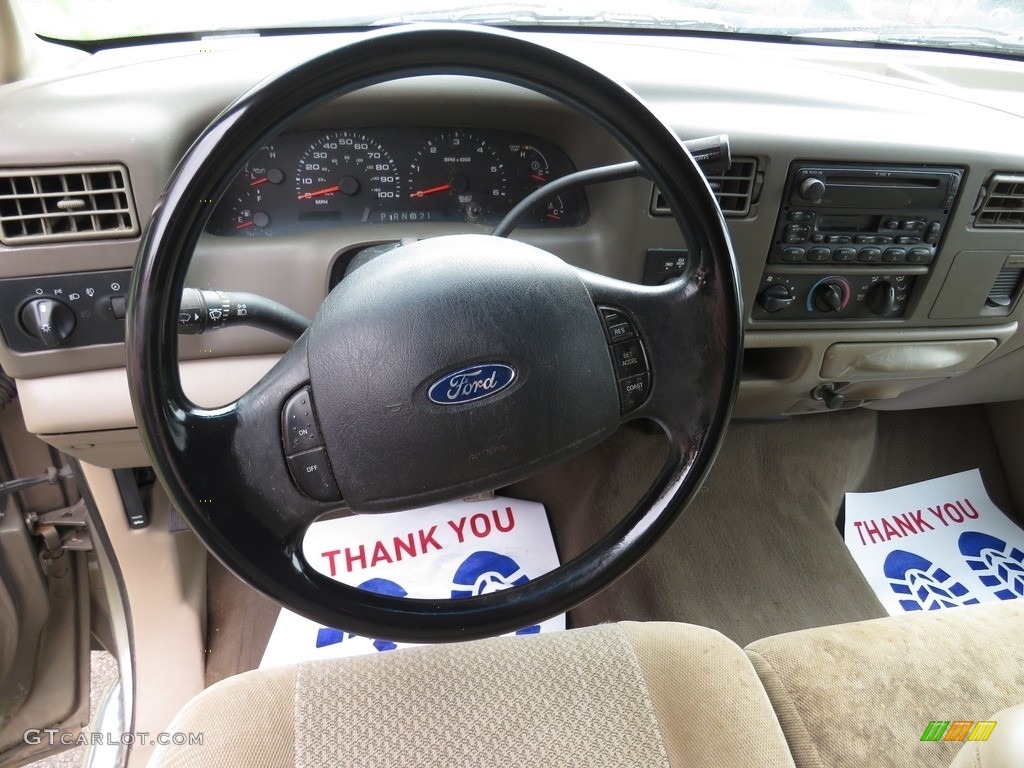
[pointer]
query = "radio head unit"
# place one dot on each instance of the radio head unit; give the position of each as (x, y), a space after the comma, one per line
(863, 214)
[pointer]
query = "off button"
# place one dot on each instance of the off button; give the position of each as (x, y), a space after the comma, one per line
(313, 475)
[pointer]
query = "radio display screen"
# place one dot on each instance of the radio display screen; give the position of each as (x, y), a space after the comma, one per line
(848, 223)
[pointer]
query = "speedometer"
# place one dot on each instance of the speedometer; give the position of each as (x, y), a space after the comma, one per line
(348, 177)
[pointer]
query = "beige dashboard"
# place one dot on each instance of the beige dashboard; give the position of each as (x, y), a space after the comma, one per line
(954, 339)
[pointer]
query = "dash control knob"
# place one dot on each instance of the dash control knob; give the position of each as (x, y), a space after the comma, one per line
(48, 320)
(828, 297)
(881, 299)
(775, 298)
(812, 189)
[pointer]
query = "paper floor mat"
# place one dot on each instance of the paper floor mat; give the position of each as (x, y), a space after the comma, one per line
(452, 550)
(934, 545)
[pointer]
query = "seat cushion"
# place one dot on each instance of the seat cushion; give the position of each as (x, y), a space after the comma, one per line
(862, 694)
(613, 695)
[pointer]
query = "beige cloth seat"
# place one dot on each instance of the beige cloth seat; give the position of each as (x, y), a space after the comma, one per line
(615, 695)
(862, 694)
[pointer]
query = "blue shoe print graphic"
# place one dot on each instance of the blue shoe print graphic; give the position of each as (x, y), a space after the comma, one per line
(927, 587)
(485, 572)
(997, 564)
(330, 636)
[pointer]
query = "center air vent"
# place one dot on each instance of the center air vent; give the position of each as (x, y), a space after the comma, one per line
(1003, 204)
(735, 190)
(49, 205)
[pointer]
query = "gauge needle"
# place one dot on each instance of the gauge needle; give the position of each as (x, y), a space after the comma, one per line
(432, 190)
(245, 224)
(317, 193)
(264, 180)
(538, 177)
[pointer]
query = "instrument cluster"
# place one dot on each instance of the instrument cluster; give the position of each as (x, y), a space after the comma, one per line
(316, 179)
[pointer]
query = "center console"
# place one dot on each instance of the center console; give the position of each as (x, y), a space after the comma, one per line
(851, 240)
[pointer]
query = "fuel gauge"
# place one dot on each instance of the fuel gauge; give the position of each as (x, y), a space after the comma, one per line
(247, 216)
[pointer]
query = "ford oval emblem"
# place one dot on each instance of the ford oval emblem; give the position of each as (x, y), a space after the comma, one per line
(474, 383)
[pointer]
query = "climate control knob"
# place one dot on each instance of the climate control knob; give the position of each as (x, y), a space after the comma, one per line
(48, 320)
(775, 297)
(829, 296)
(881, 299)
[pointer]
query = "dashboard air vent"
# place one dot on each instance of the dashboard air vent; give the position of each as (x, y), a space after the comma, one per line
(49, 205)
(735, 189)
(1008, 283)
(1003, 203)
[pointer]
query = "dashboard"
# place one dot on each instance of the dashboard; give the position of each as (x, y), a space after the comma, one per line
(327, 178)
(874, 204)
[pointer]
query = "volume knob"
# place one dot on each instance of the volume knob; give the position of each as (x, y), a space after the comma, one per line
(812, 189)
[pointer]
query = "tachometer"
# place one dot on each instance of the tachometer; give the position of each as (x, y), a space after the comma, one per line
(348, 177)
(458, 176)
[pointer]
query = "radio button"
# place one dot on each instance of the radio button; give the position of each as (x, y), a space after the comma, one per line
(894, 255)
(801, 215)
(839, 239)
(819, 254)
(907, 240)
(891, 224)
(796, 233)
(919, 256)
(870, 255)
(867, 240)
(913, 225)
(792, 254)
(933, 233)
(844, 254)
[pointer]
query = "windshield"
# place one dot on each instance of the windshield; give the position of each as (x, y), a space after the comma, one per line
(974, 25)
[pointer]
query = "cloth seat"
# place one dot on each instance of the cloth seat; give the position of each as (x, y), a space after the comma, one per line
(630, 694)
(862, 694)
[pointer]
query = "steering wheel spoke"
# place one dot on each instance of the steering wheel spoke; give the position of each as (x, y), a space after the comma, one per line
(670, 349)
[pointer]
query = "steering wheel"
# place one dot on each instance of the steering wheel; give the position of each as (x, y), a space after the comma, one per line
(498, 359)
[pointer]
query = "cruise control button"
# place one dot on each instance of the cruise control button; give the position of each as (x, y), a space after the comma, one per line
(617, 325)
(313, 476)
(633, 391)
(629, 359)
(298, 424)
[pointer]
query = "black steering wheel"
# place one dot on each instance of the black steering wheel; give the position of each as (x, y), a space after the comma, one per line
(496, 361)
